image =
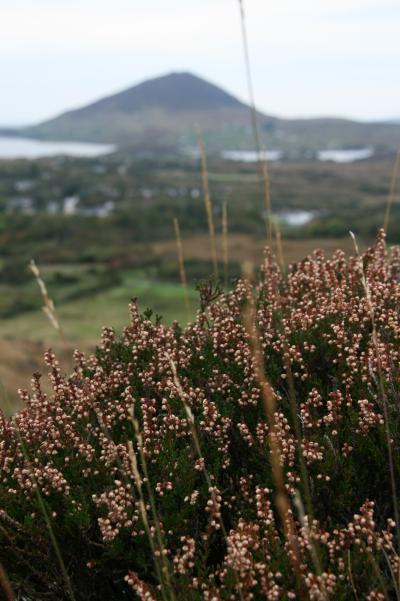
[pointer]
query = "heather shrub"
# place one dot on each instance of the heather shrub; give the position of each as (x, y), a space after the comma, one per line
(147, 473)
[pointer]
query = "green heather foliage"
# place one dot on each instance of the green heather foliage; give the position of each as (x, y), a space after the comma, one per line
(95, 505)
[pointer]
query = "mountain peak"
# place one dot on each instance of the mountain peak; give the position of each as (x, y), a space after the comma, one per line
(160, 114)
(156, 113)
(175, 91)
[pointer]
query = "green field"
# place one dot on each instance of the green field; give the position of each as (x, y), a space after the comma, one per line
(25, 336)
(82, 319)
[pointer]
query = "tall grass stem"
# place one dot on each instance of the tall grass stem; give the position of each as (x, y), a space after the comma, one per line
(48, 308)
(279, 247)
(269, 400)
(262, 158)
(45, 513)
(166, 576)
(196, 443)
(5, 585)
(208, 202)
(381, 390)
(392, 191)
(225, 242)
(181, 263)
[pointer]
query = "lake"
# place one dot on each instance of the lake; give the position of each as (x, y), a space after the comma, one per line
(27, 148)
(251, 156)
(297, 217)
(336, 156)
(345, 156)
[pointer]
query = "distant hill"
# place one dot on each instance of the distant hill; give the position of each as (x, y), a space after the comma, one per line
(160, 114)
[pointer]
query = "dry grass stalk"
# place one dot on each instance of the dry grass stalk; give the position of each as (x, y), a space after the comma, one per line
(162, 552)
(196, 443)
(48, 307)
(156, 552)
(181, 262)
(269, 400)
(42, 506)
(279, 247)
(315, 555)
(225, 247)
(142, 505)
(389, 440)
(262, 159)
(159, 554)
(5, 585)
(304, 478)
(392, 191)
(190, 418)
(267, 192)
(395, 578)
(378, 572)
(353, 587)
(208, 203)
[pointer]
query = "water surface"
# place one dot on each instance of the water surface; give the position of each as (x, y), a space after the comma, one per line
(345, 155)
(251, 156)
(28, 148)
(339, 155)
(297, 217)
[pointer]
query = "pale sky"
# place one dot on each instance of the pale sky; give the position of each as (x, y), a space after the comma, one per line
(309, 57)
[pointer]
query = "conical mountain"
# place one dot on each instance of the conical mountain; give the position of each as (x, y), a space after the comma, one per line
(161, 114)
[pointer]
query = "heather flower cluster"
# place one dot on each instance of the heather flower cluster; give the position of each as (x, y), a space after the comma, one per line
(151, 466)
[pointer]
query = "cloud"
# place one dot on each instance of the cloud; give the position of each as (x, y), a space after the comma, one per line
(180, 24)
(331, 52)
